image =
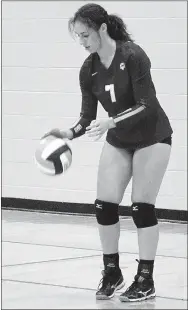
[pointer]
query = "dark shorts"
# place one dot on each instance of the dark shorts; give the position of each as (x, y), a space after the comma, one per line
(167, 140)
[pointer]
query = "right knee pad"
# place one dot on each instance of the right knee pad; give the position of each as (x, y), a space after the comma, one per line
(107, 213)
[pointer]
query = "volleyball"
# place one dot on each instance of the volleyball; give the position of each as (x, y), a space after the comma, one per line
(53, 155)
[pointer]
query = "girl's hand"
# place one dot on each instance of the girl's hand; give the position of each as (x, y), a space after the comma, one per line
(98, 127)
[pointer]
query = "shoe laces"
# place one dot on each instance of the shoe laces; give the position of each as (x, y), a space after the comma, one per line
(138, 279)
(133, 286)
(106, 279)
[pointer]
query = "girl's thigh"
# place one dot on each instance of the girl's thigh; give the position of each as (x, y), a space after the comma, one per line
(114, 173)
(149, 166)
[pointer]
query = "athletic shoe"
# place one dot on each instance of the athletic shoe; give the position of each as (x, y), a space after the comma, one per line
(109, 284)
(139, 290)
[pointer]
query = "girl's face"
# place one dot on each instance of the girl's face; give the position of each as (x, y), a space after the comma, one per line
(87, 37)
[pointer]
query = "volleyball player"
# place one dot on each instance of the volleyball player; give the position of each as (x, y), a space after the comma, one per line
(138, 142)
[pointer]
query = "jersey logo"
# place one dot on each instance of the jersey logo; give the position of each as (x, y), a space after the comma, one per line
(122, 65)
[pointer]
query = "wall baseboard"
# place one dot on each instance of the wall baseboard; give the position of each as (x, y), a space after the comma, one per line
(81, 208)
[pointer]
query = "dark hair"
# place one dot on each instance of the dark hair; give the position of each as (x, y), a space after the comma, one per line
(94, 15)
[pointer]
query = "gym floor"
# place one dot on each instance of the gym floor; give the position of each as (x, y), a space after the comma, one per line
(54, 261)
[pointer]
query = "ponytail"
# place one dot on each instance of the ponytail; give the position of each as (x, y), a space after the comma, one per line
(117, 30)
(94, 15)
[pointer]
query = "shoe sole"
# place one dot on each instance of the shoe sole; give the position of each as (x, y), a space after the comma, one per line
(126, 299)
(104, 297)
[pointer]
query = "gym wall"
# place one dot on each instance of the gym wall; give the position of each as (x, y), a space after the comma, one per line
(40, 91)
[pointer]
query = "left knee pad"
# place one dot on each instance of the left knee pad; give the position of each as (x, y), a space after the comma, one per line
(144, 215)
(106, 212)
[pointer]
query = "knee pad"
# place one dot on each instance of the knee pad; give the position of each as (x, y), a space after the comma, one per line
(107, 213)
(143, 214)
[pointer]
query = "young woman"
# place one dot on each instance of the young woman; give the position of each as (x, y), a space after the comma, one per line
(138, 142)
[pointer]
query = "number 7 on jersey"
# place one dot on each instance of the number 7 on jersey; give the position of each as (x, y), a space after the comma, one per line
(110, 88)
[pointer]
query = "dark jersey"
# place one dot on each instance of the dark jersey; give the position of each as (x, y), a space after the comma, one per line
(126, 91)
